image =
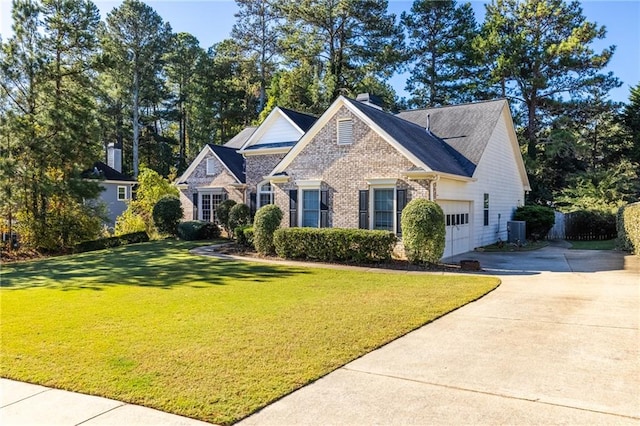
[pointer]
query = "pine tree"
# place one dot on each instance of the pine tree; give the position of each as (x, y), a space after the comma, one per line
(135, 39)
(256, 31)
(539, 53)
(441, 62)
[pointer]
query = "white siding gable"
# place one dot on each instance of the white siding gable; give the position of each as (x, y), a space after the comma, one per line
(279, 130)
(497, 174)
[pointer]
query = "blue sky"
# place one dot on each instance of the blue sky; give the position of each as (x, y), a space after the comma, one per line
(211, 21)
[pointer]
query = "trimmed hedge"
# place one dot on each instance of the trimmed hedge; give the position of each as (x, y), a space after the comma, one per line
(266, 222)
(540, 220)
(589, 225)
(103, 243)
(423, 231)
(334, 244)
(628, 225)
(244, 235)
(193, 230)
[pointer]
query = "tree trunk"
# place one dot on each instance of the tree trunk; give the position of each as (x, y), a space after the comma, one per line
(136, 118)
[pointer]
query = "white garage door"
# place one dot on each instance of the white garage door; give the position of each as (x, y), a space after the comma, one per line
(457, 216)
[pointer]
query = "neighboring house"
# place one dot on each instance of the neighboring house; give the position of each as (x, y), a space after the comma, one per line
(358, 166)
(117, 187)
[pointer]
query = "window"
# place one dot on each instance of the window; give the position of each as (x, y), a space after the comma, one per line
(311, 208)
(486, 209)
(265, 194)
(383, 210)
(205, 207)
(209, 203)
(457, 219)
(211, 166)
(122, 193)
(345, 132)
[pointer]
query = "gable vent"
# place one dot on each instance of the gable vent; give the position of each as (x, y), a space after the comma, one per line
(345, 132)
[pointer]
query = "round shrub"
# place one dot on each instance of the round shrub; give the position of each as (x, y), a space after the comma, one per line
(244, 235)
(167, 213)
(423, 231)
(223, 214)
(239, 215)
(540, 220)
(266, 222)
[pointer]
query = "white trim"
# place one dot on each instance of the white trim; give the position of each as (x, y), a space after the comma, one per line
(118, 182)
(309, 184)
(210, 166)
(506, 113)
(372, 214)
(301, 202)
(382, 182)
(125, 198)
(260, 192)
(277, 179)
(210, 190)
(264, 151)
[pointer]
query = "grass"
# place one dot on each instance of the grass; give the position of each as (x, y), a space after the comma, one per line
(215, 340)
(594, 245)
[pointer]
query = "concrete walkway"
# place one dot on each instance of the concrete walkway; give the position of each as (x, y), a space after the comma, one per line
(557, 343)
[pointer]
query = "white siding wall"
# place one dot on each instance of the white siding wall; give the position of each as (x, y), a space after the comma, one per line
(497, 175)
(281, 130)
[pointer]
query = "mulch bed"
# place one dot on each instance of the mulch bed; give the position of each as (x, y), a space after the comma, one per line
(394, 264)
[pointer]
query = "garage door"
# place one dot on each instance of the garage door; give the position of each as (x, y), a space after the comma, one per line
(457, 216)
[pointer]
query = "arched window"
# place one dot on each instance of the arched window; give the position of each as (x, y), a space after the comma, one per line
(265, 194)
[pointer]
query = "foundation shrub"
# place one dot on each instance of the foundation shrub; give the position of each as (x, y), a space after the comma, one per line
(198, 230)
(334, 244)
(266, 222)
(423, 231)
(540, 220)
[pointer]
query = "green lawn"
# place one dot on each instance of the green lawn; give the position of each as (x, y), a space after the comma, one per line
(216, 340)
(594, 245)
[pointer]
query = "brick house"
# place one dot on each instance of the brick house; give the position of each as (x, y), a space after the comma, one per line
(357, 166)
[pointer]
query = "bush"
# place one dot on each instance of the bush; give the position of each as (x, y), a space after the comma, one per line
(423, 231)
(239, 215)
(244, 235)
(223, 214)
(167, 213)
(198, 230)
(129, 222)
(103, 243)
(590, 225)
(629, 228)
(266, 222)
(540, 220)
(334, 244)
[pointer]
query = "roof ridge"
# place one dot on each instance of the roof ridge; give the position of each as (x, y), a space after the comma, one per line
(456, 105)
(296, 112)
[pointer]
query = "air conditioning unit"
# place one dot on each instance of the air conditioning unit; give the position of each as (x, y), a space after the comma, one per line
(516, 231)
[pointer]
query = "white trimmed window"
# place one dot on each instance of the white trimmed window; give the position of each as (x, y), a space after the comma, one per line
(345, 131)
(265, 194)
(209, 202)
(211, 166)
(122, 193)
(311, 208)
(384, 209)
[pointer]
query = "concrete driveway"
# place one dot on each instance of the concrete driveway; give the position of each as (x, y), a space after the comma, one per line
(557, 343)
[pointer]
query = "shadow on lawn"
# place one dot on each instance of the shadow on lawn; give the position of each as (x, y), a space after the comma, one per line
(161, 264)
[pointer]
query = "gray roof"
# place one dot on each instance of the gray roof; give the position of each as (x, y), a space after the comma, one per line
(233, 160)
(103, 171)
(238, 140)
(428, 148)
(302, 120)
(466, 128)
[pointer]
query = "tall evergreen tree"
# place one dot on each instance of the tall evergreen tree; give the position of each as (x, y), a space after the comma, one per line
(181, 67)
(631, 119)
(256, 31)
(540, 53)
(46, 74)
(343, 40)
(135, 40)
(441, 63)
